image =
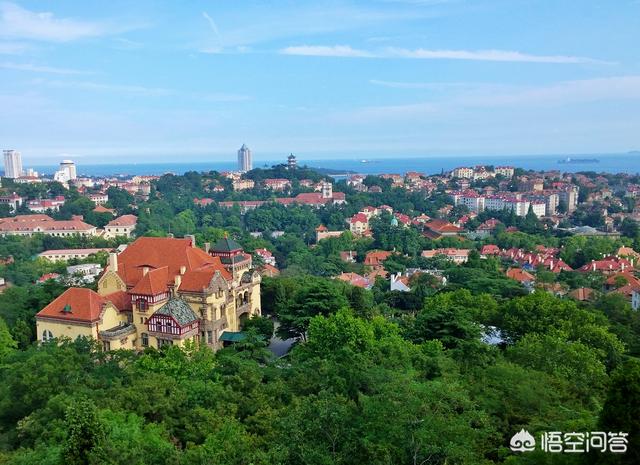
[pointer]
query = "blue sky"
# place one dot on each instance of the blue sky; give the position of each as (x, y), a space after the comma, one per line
(166, 80)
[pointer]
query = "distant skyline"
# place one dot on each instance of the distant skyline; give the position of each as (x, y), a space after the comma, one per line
(159, 81)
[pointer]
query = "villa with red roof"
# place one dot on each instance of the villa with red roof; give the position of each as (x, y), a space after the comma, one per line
(358, 223)
(27, 225)
(441, 228)
(122, 226)
(159, 291)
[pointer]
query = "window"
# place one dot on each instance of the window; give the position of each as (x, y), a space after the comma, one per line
(47, 335)
(145, 340)
(209, 336)
(142, 304)
(106, 346)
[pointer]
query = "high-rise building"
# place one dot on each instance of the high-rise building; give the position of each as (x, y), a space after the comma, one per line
(244, 159)
(70, 167)
(12, 164)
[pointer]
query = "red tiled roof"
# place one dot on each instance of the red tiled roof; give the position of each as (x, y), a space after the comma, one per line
(358, 217)
(103, 209)
(199, 279)
(120, 299)
(157, 252)
(82, 304)
(152, 283)
(629, 277)
(490, 249)
(376, 257)
(519, 275)
(44, 222)
(354, 279)
(124, 220)
(581, 294)
(441, 226)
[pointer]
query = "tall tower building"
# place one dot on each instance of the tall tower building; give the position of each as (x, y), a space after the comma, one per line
(12, 164)
(244, 159)
(292, 163)
(70, 167)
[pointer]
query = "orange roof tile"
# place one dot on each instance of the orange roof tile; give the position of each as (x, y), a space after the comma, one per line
(120, 299)
(152, 283)
(124, 220)
(519, 275)
(157, 252)
(199, 279)
(75, 304)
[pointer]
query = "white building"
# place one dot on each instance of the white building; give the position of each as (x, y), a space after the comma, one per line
(506, 171)
(462, 172)
(84, 274)
(124, 225)
(12, 164)
(245, 162)
(519, 206)
(70, 167)
(471, 199)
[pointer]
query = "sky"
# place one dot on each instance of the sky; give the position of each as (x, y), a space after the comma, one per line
(146, 81)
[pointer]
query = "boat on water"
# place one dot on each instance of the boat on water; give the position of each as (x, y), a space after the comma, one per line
(570, 160)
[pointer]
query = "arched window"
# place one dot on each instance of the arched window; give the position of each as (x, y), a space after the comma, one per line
(47, 335)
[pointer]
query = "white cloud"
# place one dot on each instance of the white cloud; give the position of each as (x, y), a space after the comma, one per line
(17, 22)
(468, 96)
(484, 55)
(424, 54)
(212, 23)
(12, 48)
(40, 69)
(422, 85)
(326, 51)
(144, 91)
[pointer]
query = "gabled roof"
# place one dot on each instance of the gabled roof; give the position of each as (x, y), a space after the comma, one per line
(442, 226)
(152, 283)
(581, 294)
(120, 299)
(179, 310)
(199, 279)
(103, 209)
(124, 220)
(376, 257)
(354, 279)
(158, 252)
(519, 275)
(75, 304)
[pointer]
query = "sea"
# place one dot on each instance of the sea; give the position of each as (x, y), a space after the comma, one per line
(606, 163)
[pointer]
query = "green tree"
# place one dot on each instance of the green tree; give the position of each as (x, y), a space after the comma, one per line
(7, 343)
(85, 434)
(620, 410)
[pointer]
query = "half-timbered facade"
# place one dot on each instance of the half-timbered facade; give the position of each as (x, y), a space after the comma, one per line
(168, 291)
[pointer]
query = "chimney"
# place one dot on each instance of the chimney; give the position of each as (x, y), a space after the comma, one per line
(183, 270)
(177, 280)
(170, 235)
(593, 265)
(113, 261)
(145, 270)
(192, 238)
(207, 246)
